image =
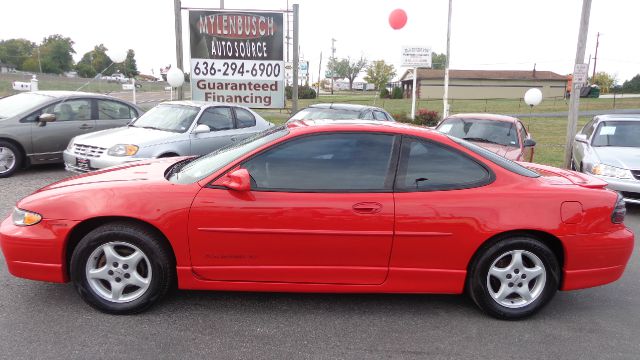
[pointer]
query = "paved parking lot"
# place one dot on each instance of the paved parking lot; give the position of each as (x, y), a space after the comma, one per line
(40, 320)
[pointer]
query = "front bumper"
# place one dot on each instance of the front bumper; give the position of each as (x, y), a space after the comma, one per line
(630, 189)
(95, 163)
(36, 252)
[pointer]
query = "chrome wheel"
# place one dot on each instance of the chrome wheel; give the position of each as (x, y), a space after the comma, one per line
(118, 272)
(7, 159)
(516, 279)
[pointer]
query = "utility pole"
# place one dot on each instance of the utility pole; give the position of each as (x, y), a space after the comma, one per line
(177, 8)
(333, 57)
(445, 100)
(574, 101)
(288, 37)
(595, 58)
(39, 62)
(221, 4)
(319, 70)
(296, 62)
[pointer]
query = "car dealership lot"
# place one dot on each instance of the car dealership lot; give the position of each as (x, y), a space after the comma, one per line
(49, 320)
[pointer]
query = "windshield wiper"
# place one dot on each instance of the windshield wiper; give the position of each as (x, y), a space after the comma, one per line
(480, 140)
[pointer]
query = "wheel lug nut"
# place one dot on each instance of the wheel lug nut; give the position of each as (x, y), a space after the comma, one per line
(118, 279)
(524, 276)
(509, 276)
(110, 272)
(115, 264)
(126, 276)
(516, 271)
(125, 266)
(519, 284)
(510, 284)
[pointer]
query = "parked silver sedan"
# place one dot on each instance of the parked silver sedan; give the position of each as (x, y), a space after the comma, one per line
(177, 128)
(609, 147)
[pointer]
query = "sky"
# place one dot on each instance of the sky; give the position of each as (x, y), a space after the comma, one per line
(486, 34)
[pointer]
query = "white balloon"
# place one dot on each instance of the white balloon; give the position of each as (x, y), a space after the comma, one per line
(533, 97)
(117, 56)
(175, 77)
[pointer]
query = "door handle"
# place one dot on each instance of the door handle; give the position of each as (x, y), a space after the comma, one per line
(367, 207)
(85, 127)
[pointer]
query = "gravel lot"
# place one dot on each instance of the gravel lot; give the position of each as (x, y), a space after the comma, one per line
(41, 320)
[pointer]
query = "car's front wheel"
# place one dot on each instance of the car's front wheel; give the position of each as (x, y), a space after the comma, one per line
(121, 268)
(514, 278)
(10, 159)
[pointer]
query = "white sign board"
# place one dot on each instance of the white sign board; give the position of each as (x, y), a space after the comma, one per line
(416, 56)
(580, 74)
(127, 86)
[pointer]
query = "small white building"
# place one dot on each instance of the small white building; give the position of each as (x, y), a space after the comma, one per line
(7, 68)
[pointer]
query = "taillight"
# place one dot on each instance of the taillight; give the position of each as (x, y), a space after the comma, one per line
(619, 211)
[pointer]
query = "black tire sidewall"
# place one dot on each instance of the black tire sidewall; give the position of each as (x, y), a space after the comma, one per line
(17, 153)
(478, 277)
(160, 268)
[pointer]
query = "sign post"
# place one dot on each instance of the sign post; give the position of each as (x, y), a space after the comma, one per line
(415, 57)
(237, 57)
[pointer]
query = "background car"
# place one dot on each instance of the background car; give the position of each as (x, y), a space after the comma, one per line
(344, 206)
(176, 128)
(342, 112)
(504, 135)
(608, 147)
(35, 127)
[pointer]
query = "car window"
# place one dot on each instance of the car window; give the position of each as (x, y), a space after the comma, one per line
(168, 117)
(69, 110)
(378, 115)
(427, 166)
(523, 131)
(325, 114)
(337, 162)
(245, 118)
(108, 110)
(617, 133)
(481, 130)
(588, 128)
(217, 118)
(368, 115)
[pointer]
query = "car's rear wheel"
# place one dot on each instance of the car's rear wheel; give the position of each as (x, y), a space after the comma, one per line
(514, 278)
(121, 268)
(10, 159)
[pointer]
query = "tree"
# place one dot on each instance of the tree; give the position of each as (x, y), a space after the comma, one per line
(94, 62)
(379, 73)
(633, 85)
(438, 61)
(345, 68)
(604, 80)
(55, 54)
(16, 52)
(129, 67)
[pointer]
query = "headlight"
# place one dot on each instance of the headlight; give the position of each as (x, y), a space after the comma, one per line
(70, 146)
(25, 218)
(123, 150)
(611, 171)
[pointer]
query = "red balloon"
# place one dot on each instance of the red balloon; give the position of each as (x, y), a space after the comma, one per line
(397, 19)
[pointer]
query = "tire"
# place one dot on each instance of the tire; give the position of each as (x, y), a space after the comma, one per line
(131, 269)
(508, 289)
(573, 165)
(10, 159)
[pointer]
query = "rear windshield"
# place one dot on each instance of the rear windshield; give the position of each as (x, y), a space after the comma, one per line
(482, 130)
(497, 159)
(328, 114)
(17, 104)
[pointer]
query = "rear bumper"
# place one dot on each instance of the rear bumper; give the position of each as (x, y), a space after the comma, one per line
(36, 252)
(595, 259)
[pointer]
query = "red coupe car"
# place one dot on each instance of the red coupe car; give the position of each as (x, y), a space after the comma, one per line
(320, 206)
(504, 135)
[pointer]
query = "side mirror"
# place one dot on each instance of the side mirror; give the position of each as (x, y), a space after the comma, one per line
(43, 119)
(238, 180)
(582, 138)
(529, 143)
(201, 129)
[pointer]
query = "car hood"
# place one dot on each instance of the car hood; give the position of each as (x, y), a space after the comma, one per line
(510, 152)
(125, 135)
(622, 157)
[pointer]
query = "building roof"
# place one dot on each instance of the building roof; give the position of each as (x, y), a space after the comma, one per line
(425, 74)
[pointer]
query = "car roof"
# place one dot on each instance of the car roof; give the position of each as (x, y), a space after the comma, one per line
(618, 117)
(200, 104)
(340, 106)
(314, 126)
(483, 116)
(63, 93)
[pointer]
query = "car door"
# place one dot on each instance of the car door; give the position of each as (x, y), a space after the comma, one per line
(320, 210)
(73, 117)
(438, 192)
(220, 121)
(245, 124)
(111, 114)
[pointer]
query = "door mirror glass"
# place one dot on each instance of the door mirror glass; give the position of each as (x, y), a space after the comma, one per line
(582, 138)
(201, 129)
(238, 180)
(529, 143)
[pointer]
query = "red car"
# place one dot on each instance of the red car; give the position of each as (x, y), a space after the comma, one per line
(359, 207)
(504, 135)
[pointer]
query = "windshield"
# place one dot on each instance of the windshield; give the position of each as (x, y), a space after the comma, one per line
(174, 118)
(17, 104)
(618, 133)
(208, 164)
(330, 114)
(481, 130)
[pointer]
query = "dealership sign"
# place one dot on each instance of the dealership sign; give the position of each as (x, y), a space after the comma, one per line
(237, 57)
(416, 56)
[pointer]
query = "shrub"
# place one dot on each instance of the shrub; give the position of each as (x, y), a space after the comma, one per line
(426, 117)
(401, 117)
(304, 92)
(384, 93)
(396, 93)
